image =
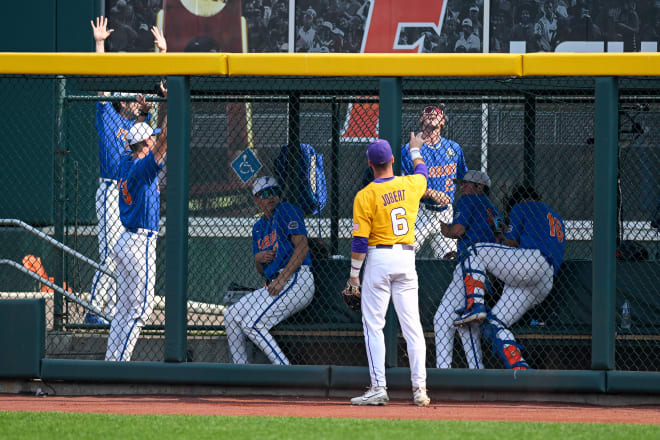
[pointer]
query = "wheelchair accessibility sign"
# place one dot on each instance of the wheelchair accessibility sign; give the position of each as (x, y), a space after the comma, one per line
(246, 165)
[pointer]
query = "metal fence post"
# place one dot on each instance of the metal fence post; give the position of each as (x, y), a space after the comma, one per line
(59, 206)
(603, 298)
(176, 239)
(389, 120)
(334, 175)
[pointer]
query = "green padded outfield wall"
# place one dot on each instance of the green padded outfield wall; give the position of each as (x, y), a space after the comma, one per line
(22, 325)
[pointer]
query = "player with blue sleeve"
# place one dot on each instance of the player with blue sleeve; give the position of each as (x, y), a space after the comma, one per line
(113, 122)
(534, 225)
(474, 217)
(530, 255)
(135, 251)
(281, 255)
(446, 162)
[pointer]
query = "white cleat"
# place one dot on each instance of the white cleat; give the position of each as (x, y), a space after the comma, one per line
(420, 397)
(373, 396)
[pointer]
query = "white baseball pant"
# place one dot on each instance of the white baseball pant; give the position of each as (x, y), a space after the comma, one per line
(391, 272)
(428, 226)
(104, 288)
(527, 277)
(257, 312)
(445, 331)
(135, 255)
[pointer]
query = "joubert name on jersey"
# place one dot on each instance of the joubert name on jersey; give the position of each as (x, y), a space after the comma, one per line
(394, 196)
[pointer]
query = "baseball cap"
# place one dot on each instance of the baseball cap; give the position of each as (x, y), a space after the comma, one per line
(475, 176)
(263, 183)
(379, 151)
(474, 8)
(467, 22)
(440, 109)
(140, 131)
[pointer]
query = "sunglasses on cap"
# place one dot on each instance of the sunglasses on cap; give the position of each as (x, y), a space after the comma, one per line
(269, 192)
(431, 109)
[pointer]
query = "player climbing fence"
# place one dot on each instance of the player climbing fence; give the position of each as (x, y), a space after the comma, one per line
(537, 131)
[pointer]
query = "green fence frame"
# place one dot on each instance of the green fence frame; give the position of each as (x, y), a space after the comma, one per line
(600, 379)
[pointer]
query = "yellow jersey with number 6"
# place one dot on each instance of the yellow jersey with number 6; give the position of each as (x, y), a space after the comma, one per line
(385, 211)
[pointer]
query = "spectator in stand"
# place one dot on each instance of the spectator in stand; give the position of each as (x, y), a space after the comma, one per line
(443, 44)
(498, 30)
(323, 38)
(468, 38)
(431, 41)
(523, 30)
(353, 40)
(305, 35)
(545, 29)
(452, 32)
(475, 17)
(628, 26)
(580, 27)
(122, 19)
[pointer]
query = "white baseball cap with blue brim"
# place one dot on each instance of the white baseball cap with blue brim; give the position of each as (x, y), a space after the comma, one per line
(263, 183)
(139, 132)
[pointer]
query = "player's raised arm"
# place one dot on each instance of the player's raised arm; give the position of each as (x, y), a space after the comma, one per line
(415, 144)
(101, 33)
(159, 39)
(160, 147)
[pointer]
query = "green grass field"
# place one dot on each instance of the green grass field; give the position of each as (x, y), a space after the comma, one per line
(63, 426)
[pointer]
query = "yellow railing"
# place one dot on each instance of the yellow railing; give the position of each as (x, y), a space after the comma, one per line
(234, 64)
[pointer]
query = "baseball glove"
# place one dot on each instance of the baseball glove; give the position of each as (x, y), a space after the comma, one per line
(351, 295)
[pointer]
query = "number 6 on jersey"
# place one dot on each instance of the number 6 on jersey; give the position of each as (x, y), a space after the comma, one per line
(399, 221)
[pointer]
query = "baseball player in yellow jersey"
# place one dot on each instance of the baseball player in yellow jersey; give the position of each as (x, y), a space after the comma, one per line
(384, 214)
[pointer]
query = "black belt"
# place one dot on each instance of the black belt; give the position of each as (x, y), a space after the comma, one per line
(405, 247)
(436, 208)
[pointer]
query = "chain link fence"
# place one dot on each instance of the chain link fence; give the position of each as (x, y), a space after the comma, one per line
(533, 131)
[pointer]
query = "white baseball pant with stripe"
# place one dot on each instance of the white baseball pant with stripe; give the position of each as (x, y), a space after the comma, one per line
(135, 255)
(445, 331)
(257, 312)
(390, 272)
(527, 277)
(104, 289)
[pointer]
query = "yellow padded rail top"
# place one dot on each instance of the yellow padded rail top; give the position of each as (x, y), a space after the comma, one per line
(375, 64)
(592, 64)
(317, 64)
(114, 63)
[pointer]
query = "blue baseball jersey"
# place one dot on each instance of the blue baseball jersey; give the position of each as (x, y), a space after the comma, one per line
(112, 129)
(274, 234)
(445, 162)
(476, 213)
(537, 226)
(139, 201)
